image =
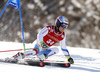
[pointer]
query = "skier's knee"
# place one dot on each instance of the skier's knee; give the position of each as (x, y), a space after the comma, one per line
(56, 50)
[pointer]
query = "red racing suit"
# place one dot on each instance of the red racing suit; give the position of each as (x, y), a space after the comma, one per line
(50, 36)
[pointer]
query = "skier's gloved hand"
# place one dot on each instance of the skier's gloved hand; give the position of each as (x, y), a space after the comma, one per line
(70, 60)
(44, 45)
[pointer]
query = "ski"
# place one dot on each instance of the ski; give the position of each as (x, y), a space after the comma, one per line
(49, 63)
(38, 63)
(57, 63)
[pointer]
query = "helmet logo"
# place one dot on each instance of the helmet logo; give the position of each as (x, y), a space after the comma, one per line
(65, 20)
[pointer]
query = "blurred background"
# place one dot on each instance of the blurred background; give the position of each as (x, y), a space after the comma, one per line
(83, 15)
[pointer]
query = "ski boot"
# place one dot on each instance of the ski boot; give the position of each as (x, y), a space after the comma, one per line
(16, 57)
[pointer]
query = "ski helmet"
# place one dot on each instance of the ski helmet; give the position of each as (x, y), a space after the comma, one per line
(62, 21)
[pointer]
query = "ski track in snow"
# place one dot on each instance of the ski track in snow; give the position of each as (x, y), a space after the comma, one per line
(86, 60)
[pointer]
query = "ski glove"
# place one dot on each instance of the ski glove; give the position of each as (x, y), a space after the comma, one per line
(44, 45)
(70, 60)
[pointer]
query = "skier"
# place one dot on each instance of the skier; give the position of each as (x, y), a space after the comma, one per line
(46, 38)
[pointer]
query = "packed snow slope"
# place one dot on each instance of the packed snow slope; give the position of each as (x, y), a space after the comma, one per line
(86, 60)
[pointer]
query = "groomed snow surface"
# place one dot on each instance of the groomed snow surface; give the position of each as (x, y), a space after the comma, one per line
(86, 60)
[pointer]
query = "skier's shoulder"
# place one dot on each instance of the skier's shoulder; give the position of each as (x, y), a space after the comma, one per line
(50, 26)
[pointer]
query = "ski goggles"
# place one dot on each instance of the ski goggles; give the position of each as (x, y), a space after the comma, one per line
(64, 25)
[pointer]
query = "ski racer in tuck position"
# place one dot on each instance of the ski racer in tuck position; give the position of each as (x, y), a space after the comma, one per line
(46, 38)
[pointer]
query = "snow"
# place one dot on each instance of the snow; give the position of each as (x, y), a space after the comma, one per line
(86, 60)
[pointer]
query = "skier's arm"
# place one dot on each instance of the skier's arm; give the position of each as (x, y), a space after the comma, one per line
(40, 36)
(63, 47)
(65, 51)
